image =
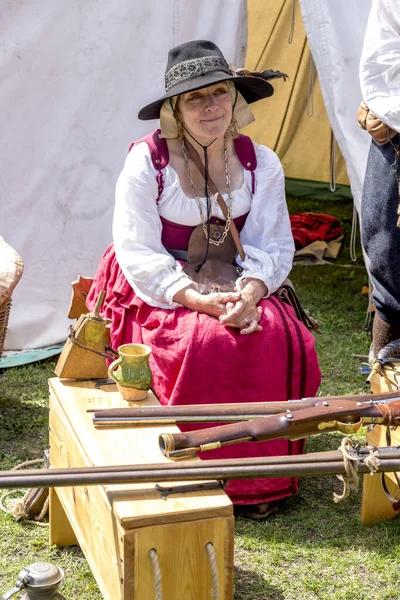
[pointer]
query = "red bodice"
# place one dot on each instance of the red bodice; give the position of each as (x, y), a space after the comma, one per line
(177, 236)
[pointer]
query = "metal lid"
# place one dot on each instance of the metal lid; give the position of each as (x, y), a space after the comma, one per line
(42, 574)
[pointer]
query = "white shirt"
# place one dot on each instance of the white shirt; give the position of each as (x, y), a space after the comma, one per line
(152, 272)
(380, 62)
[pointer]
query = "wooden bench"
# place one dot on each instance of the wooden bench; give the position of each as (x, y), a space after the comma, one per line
(117, 525)
(375, 505)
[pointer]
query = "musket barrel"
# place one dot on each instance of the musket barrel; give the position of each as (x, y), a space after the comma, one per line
(326, 456)
(391, 452)
(110, 417)
(115, 422)
(206, 410)
(290, 466)
(50, 479)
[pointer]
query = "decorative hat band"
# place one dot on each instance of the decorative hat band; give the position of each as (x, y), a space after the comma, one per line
(191, 68)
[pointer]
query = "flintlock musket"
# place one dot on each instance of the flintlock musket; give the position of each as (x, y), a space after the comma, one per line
(312, 464)
(213, 413)
(345, 415)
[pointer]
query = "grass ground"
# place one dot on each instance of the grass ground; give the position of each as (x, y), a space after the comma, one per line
(312, 548)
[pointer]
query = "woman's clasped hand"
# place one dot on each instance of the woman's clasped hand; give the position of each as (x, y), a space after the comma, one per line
(244, 312)
(233, 309)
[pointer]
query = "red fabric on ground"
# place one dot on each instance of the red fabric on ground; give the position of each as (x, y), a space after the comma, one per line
(309, 227)
(195, 360)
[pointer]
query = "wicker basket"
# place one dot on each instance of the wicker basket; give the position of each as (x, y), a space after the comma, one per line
(4, 314)
(11, 269)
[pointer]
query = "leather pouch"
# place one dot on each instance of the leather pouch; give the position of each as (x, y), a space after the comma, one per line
(381, 132)
(218, 273)
(288, 295)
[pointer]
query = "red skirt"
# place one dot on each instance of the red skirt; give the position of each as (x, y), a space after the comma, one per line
(196, 360)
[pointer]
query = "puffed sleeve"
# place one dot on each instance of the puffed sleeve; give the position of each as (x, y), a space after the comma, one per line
(152, 272)
(380, 62)
(267, 236)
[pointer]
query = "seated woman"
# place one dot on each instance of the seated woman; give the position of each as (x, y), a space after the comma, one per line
(239, 346)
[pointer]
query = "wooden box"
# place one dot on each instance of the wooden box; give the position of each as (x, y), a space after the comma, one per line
(117, 525)
(375, 505)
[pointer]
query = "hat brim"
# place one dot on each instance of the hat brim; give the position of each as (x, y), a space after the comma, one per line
(252, 89)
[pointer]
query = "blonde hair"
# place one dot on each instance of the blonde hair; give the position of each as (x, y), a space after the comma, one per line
(171, 126)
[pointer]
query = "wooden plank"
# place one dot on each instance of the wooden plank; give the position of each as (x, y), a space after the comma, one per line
(186, 573)
(377, 435)
(115, 525)
(60, 529)
(375, 505)
(89, 513)
(131, 446)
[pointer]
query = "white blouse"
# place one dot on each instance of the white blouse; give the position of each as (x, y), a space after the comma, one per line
(380, 62)
(152, 272)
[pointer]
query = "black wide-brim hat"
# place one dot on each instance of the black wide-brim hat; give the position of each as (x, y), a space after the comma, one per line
(200, 63)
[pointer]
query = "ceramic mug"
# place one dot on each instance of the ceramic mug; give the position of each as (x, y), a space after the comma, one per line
(131, 371)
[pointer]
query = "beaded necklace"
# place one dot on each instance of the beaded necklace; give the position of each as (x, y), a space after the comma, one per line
(198, 201)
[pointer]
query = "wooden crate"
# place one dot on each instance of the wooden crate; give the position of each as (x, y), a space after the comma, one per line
(375, 505)
(117, 525)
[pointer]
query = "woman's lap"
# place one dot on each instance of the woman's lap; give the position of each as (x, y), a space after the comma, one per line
(196, 360)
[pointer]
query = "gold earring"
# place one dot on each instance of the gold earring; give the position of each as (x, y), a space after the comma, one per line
(233, 127)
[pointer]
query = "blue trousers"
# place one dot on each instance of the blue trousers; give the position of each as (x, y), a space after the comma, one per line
(380, 235)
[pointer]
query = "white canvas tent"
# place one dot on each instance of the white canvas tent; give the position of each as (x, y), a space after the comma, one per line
(73, 78)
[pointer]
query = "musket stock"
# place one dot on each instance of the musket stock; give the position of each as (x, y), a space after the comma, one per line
(344, 415)
(234, 412)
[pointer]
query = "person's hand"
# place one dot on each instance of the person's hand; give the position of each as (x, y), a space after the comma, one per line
(243, 314)
(211, 304)
(215, 304)
(234, 309)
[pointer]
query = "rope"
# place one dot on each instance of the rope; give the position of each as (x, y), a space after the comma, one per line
(310, 91)
(28, 463)
(389, 381)
(214, 571)
(292, 23)
(157, 574)
(368, 316)
(332, 166)
(353, 235)
(372, 461)
(16, 506)
(350, 480)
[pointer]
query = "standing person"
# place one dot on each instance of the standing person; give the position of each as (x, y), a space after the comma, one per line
(380, 211)
(222, 347)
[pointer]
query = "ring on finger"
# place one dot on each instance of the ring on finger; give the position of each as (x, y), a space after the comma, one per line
(247, 320)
